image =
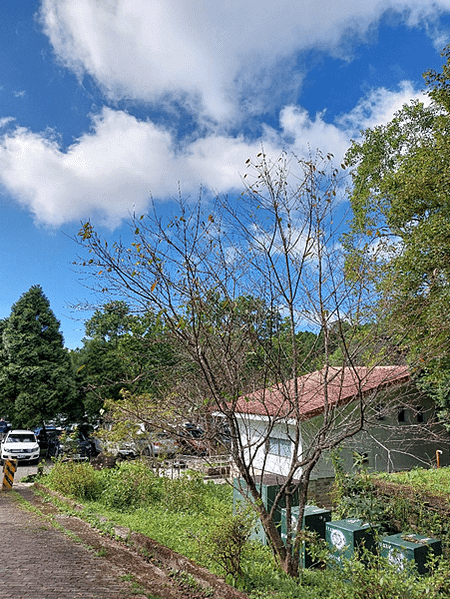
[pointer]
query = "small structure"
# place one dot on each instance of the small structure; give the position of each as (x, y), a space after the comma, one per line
(394, 436)
(409, 550)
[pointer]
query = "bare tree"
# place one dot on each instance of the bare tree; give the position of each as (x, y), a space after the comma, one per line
(234, 281)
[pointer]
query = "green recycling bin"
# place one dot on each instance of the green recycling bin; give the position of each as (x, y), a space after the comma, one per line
(403, 550)
(344, 537)
(314, 520)
(269, 487)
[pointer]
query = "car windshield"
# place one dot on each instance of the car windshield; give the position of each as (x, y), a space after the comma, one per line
(24, 438)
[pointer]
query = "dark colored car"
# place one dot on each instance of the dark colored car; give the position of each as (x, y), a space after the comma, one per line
(73, 443)
(53, 442)
(192, 440)
(45, 435)
(4, 428)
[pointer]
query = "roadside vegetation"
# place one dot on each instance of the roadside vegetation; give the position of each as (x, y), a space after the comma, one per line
(197, 520)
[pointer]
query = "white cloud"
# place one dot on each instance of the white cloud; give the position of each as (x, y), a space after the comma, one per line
(222, 60)
(6, 121)
(379, 106)
(308, 134)
(206, 50)
(104, 173)
(113, 169)
(210, 54)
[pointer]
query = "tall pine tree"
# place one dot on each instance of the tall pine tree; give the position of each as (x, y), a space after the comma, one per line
(37, 380)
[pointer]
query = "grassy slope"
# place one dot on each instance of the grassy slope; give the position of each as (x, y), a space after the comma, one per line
(434, 481)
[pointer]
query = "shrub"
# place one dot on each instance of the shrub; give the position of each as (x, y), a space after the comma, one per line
(185, 494)
(374, 577)
(74, 479)
(354, 497)
(131, 485)
(226, 541)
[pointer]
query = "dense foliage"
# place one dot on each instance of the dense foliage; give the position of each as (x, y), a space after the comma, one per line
(122, 351)
(36, 378)
(415, 501)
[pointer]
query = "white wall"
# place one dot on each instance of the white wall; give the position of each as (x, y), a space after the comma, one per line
(270, 458)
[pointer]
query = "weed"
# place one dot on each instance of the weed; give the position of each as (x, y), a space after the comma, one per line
(145, 553)
(226, 543)
(136, 588)
(129, 486)
(184, 579)
(180, 512)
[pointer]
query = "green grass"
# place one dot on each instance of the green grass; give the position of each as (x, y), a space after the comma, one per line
(179, 513)
(435, 481)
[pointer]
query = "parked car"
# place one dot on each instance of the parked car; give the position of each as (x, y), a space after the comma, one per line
(72, 442)
(124, 450)
(127, 450)
(192, 440)
(53, 442)
(4, 428)
(159, 445)
(20, 445)
(45, 435)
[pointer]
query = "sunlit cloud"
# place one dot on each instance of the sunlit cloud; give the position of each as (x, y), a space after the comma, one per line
(218, 59)
(223, 63)
(115, 168)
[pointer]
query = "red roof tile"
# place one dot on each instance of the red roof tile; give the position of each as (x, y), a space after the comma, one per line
(342, 386)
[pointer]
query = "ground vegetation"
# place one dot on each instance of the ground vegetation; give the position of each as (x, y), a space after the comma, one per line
(196, 519)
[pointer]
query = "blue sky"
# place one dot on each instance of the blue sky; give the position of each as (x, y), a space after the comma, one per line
(104, 102)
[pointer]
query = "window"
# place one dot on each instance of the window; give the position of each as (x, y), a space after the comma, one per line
(280, 447)
(401, 415)
(420, 415)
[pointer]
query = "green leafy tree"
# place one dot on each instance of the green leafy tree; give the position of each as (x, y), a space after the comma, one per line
(6, 383)
(121, 351)
(400, 235)
(36, 377)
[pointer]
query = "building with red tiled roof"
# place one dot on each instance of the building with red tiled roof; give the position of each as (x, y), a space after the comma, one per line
(290, 420)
